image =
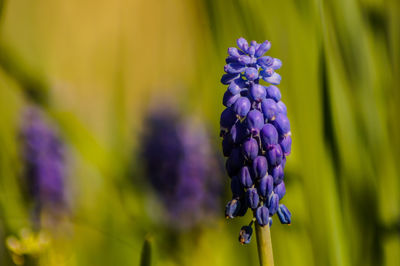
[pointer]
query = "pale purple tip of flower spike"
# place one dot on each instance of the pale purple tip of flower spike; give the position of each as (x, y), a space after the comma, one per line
(44, 159)
(256, 132)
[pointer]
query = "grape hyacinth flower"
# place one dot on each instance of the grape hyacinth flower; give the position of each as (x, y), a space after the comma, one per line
(44, 163)
(182, 167)
(256, 135)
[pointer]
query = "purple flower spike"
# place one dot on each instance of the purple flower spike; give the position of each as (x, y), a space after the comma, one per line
(260, 130)
(44, 163)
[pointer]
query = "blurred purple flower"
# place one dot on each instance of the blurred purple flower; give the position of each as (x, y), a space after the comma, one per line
(44, 162)
(182, 167)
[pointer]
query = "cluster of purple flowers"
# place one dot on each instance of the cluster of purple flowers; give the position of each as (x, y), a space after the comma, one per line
(256, 135)
(182, 167)
(44, 162)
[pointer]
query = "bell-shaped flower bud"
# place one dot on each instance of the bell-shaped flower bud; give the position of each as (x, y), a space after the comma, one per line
(242, 106)
(269, 136)
(245, 177)
(232, 208)
(250, 149)
(274, 155)
(257, 92)
(262, 215)
(269, 109)
(280, 190)
(260, 167)
(245, 234)
(265, 186)
(284, 214)
(274, 93)
(273, 203)
(282, 124)
(252, 198)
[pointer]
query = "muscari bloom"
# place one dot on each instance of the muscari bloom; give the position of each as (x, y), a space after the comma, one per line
(44, 162)
(256, 135)
(182, 167)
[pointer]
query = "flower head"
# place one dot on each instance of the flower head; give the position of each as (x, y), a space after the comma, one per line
(256, 134)
(44, 161)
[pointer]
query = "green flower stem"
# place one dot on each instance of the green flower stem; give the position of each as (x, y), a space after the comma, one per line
(264, 245)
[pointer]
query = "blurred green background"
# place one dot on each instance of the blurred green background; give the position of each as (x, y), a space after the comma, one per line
(95, 66)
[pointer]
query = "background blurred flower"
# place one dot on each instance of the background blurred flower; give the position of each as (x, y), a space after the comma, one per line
(182, 167)
(44, 162)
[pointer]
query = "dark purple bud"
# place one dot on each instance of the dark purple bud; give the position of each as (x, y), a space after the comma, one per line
(284, 214)
(236, 187)
(232, 51)
(251, 73)
(228, 118)
(260, 167)
(252, 50)
(252, 198)
(274, 155)
(227, 146)
(280, 190)
(234, 162)
(269, 109)
(234, 68)
(273, 203)
(242, 106)
(262, 215)
(286, 144)
(238, 132)
(242, 44)
(255, 121)
(236, 86)
(245, 177)
(263, 48)
(281, 107)
(276, 64)
(266, 185)
(269, 135)
(243, 206)
(257, 92)
(244, 59)
(228, 78)
(277, 174)
(265, 61)
(232, 209)
(229, 99)
(273, 92)
(270, 221)
(250, 149)
(282, 124)
(274, 79)
(245, 234)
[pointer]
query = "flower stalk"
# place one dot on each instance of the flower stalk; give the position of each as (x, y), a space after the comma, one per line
(264, 245)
